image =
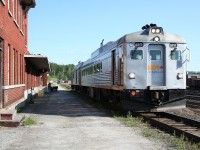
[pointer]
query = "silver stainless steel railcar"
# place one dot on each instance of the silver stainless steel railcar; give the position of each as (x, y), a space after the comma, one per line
(144, 71)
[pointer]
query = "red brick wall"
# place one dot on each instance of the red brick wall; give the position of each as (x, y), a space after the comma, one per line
(14, 35)
(13, 31)
(11, 95)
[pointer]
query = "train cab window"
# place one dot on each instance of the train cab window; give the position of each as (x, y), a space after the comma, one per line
(175, 55)
(136, 54)
(155, 54)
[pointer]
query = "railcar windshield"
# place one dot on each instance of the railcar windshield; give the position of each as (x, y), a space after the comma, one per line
(155, 55)
(176, 55)
(136, 54)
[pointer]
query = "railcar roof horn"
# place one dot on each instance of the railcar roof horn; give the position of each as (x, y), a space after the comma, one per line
(149, 26)
(153, 25)
(102, 43)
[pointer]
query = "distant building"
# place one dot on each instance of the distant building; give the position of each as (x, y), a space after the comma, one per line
(21, 74)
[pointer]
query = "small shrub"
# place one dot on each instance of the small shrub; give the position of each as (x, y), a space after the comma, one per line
(29, 121)
(19, 110)
(147, 132)
(130, 121)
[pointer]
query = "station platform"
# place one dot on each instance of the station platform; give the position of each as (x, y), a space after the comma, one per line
(66, 121)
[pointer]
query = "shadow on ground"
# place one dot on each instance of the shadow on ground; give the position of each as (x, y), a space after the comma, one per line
(62, 103)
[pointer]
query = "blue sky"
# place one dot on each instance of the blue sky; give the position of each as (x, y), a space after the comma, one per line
(68, 31)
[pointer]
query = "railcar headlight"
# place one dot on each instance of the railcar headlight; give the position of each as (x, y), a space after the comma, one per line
(180, 76)
(156, 39)
(131, 75)
(153, 30)
(158, 30)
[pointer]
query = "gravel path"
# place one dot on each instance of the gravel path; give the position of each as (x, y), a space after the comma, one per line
(64, 121)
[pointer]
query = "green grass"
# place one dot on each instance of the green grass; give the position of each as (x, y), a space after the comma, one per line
(29, 121)
(183, 144)
(52, 78)
(130, 121)
(146, 130)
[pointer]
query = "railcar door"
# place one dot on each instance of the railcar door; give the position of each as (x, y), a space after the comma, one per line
(113, 67)
(156, 62)
(1, 68)
(120, 66)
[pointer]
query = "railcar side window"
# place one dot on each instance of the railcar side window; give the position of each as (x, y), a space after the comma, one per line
(155, 54)
(98, 67)
(175, 55)
(136, 54)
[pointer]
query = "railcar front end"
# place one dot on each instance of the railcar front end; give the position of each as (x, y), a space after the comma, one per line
(144, 71)
(155, 71)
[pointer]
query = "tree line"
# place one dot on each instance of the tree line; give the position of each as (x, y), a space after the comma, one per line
(61, 72)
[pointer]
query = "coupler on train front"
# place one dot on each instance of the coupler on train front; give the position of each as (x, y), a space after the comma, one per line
(153, 100)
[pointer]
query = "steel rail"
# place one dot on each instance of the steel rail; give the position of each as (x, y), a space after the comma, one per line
(195, 97)
(181, 126)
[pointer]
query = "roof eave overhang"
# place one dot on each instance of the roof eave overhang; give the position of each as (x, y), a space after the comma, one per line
(39, 62)
(27, 4)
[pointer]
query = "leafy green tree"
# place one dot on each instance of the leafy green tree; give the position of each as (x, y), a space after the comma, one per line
(61, 72)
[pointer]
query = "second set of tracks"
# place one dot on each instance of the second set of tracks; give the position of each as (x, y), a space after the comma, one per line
(186, 127)
(174, 124)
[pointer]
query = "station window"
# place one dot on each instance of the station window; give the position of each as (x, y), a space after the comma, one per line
(3, 2)
(11, 7)
(1, 44)
(155, 54)
(175, 55)
(136, 54)
(17, 12)
(9, 64)
(16, 67)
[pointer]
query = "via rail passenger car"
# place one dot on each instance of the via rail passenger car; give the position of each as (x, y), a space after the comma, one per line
(142, 71)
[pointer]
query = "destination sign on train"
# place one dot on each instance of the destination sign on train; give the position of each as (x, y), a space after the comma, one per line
(138, 44)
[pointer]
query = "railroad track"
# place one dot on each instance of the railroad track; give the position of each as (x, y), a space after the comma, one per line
(174, 124)
(193, 100)
(193, 104)
(195, 97)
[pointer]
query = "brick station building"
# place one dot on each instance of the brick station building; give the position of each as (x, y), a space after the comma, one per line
(21, 74)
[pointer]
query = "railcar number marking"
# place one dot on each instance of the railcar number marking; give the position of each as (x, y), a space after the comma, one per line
(138, 44)
(155, 67)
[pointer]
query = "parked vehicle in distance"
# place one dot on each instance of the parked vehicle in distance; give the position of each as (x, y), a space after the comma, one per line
(52, 87)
